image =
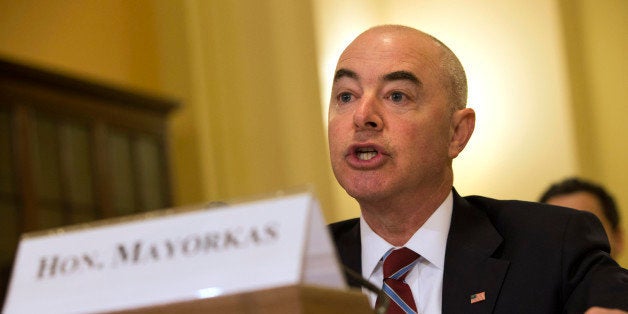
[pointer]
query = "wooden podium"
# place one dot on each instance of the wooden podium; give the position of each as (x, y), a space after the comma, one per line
(295, 299)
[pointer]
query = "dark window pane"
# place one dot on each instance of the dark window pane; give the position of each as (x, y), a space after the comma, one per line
(51, 215)
(121, 173)
(63, 172)
(7, 184)
(9, 218)
(47, 173)
(9, 224)
(77, 172)
(9, 230)
(150, 172)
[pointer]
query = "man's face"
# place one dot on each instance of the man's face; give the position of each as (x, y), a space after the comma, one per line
(390, 117)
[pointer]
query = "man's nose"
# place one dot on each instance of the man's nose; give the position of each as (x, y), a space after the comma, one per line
(367, 115)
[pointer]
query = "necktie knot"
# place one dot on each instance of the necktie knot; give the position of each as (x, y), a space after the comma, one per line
(398, 262)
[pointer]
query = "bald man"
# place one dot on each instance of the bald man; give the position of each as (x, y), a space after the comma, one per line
(397, 119)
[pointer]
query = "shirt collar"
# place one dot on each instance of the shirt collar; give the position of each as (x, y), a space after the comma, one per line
(429, 241)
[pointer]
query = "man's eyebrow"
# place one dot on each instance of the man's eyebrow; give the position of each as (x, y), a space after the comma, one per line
(402, 75)
(345, 73)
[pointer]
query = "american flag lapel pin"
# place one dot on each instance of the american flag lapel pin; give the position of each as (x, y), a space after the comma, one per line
(478, 297)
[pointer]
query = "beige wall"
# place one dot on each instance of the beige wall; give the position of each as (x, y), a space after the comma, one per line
(547, 80)
(253, 98)
(244, 70)
(112, 41)
(596, 37)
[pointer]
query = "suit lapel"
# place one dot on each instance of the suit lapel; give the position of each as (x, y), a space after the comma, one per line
(469, 266)
(349, 246)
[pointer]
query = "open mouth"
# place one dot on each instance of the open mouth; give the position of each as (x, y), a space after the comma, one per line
(365, 153)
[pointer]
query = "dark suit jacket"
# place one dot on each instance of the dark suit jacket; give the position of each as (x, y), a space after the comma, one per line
(527, 258)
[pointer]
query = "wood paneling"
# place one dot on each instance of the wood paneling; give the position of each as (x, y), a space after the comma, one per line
(75, 151)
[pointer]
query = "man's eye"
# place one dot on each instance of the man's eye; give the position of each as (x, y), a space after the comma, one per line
(345, 97)
(397, 97)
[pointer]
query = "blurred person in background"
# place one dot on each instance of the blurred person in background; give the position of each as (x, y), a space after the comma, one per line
(588, 196)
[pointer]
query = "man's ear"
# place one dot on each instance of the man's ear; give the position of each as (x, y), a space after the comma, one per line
(463, 123)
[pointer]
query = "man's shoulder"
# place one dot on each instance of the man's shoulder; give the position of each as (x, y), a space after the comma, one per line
(500, 207)
(344, 226)
(510, 216)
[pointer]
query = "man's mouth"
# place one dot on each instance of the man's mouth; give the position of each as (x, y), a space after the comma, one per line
(365, 153)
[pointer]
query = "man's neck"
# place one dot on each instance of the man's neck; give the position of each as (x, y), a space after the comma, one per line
(397, 221)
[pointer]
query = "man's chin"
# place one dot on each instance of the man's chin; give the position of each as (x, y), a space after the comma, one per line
(363, 194)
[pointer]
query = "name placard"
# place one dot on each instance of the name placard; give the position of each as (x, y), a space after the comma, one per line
(175, 257)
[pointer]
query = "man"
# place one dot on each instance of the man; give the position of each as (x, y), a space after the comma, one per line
(584, 195)
(397, 118)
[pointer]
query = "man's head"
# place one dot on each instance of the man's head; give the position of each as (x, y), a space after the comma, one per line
(397, 115)
(584, 195)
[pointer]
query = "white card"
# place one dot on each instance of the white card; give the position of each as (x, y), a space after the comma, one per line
(179, 256)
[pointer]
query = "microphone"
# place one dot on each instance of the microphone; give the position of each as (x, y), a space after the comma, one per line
(383, 300)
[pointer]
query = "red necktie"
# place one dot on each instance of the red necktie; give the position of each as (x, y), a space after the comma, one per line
(397, 265)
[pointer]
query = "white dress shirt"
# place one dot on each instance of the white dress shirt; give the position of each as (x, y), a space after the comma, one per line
(426, 278)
